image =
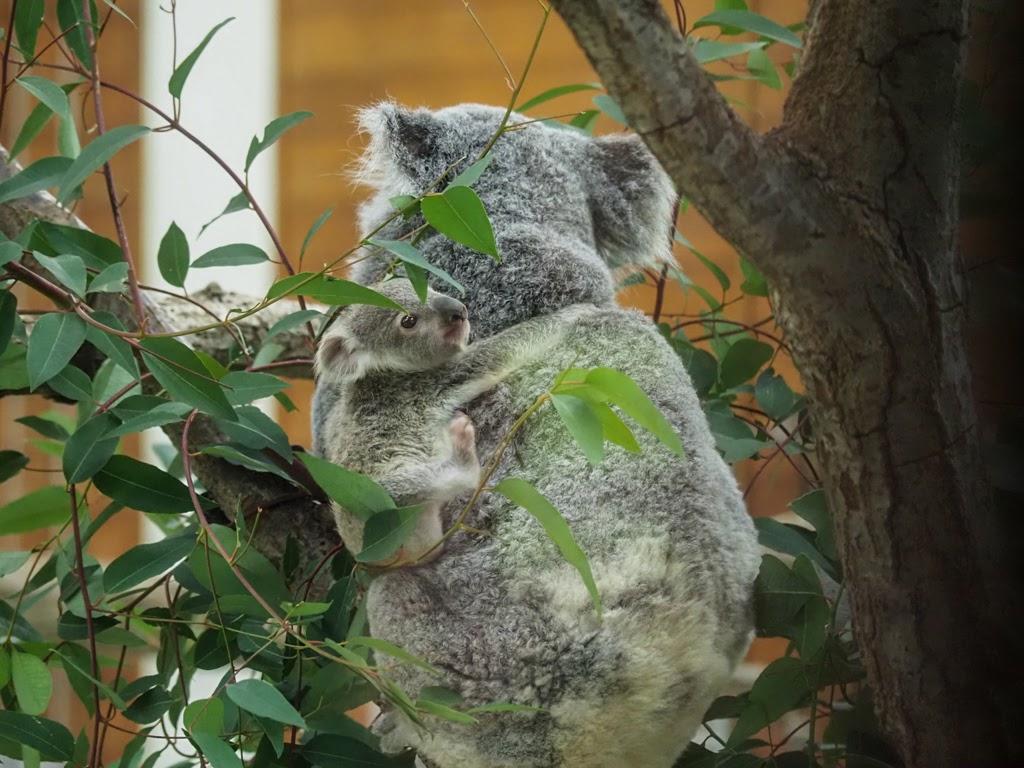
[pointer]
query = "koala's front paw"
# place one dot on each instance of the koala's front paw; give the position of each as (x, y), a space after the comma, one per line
(463, 435)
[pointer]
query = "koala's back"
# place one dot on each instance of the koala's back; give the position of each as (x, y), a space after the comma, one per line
(673, 552)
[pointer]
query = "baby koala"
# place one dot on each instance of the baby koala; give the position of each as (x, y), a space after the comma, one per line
(420, 468)
(400, 379)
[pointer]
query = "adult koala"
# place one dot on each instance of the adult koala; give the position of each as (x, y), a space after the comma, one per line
(672, 549)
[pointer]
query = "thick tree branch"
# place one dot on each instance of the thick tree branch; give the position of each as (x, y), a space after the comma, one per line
(275, 508)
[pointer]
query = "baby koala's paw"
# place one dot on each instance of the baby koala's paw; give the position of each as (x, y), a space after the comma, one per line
(463, 435)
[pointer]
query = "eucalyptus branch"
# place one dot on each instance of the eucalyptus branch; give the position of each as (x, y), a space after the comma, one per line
(108, 173)
(83, 585)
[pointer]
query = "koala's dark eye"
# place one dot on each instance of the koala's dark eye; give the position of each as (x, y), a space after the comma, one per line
(408, 321)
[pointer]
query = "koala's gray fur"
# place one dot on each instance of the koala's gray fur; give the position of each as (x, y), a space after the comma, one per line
(398, 389)
(672, 549)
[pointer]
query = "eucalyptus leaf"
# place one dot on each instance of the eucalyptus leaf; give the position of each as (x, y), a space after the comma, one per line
(274, 130)
(172, 256)
(54, 340)
(459, 214)
(520, 492)
(182, 71)
(95, 154)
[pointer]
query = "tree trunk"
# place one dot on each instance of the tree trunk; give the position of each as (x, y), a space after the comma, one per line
(850, 210)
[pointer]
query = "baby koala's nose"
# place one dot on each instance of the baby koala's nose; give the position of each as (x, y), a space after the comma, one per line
(451, 310)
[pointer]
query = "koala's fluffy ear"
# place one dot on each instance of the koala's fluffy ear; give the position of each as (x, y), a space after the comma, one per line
(403, 146)
(336, 358)
(632, 202)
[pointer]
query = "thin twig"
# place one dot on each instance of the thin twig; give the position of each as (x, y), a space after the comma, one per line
(90, 628)
(108, 173)
(7, 55)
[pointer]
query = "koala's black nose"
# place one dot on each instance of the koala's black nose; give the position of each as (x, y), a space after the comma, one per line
(451, 310)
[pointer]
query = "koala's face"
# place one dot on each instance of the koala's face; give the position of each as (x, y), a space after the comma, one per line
(364, 338)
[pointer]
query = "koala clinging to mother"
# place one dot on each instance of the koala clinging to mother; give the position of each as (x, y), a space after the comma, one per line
(672, 549)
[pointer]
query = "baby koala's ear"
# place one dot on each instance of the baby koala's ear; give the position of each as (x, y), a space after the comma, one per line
(403, 142)
(336, 358)
(632, 202)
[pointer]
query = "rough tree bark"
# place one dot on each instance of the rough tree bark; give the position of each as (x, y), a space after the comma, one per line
(282, 509)
(850, 210)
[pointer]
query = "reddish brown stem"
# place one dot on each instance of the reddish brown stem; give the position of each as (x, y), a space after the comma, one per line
(108, 173)
(94, 759)
(7, 54)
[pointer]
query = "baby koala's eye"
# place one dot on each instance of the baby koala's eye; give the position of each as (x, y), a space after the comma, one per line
(408, 321)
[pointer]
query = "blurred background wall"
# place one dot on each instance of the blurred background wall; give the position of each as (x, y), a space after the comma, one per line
(329, 57)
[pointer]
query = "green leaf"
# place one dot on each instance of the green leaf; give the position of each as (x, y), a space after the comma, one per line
(146, 561)
(8, 317)
(753, 283)
(774, 395)
(328, 750)
(611, 108)
(204, 716)
(554, 93)
(320, 221)
(182, 71)
(407, 205)
(264, 700)
(614, 429)
(243, 387)
(164, 413)
(173, 256)
(243, 457)
(583, 424)
(87, 450)
(624, 392)
(385, 532)
(48, 93)
(232, 255)
(11, 463)
(39, 509)
(473, 172)
(110, 280)
(27, 20)
(444, 712)
(502, 706)
(747, 21)
(72, 383)
(239, 202)
(458, 214)
(254, 429)
(51, 424)
(68, 268)
(383, 646)
(217, 753)
(707, 51)
(714, 269)
(358, 494)
(272, 133)
(98, 152)
(780, 687)
(142, 486)
(184, 376)
(120, 637)
(761, 67)
(33, 684)
(585, 120)
(520, 492)
(42, 174)
(72, 22)
(52, 740)
(330, 291)
(150, 706)
(813, 507)
(410, 254)
(112, 346)
(789, 540)
(55, 339)
(742, 362)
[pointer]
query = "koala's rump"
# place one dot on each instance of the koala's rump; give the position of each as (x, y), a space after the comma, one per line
(670, 545)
